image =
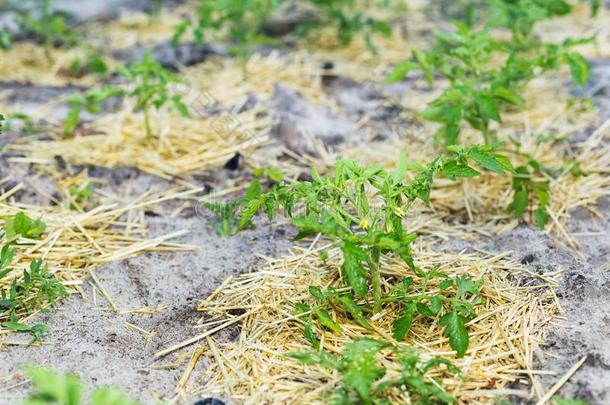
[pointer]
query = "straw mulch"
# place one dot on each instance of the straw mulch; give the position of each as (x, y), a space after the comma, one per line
(253, 369)
(75, 243)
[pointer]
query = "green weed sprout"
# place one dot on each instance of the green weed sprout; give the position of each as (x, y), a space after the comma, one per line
(35, 288)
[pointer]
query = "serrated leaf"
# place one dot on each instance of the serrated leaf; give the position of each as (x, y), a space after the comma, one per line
(488, 107)
(111, 396)
(353, 270)
(400, 71)
(316, 292)
(310, 334)
(453, 169)
(541, 217)
(351, 308)
(403, 324)
(486, 160)
(519, 204)
(445, 284)
(21, 327)
(311, 358)
(455, 330)
(509, 96)
(361, 367)
(579, 68)
(326, 320)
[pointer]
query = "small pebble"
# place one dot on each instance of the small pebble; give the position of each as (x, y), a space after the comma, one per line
(209, 401)
(233, 163)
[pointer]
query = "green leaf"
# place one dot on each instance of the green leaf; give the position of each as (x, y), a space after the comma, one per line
(569, 401)
(350, 307)
(65, 390)
(403, 324)
(445, 284)
(353, 269)
(424, 309)
(362, 369)
(488, 107)
(519, 204)
(21, 327)
(316, 292)
(326, 320)
(455, 329)
(22, 225)
(541, 217)
(400, 71)
(453, 169)
(310, 334)
(111, 396)
(250, 210)
(508, 95)
(579, 67)
(486, 160)
(315, 358)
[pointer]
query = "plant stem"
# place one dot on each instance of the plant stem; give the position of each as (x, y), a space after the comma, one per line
(147, 124)
(376, 280)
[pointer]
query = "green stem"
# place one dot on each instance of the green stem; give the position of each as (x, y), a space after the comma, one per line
(147, 124)
(376, 280)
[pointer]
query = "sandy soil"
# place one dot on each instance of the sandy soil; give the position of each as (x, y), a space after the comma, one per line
(96, 344)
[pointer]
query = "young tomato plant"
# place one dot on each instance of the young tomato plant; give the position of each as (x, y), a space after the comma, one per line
(151, 88)
(51, 29)
(361, 210)
(479, 89)
(241, 21)
(349, 19)
(149, 84)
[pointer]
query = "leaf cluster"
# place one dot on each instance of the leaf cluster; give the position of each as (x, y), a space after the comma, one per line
(37, 285)
(362, 374)
(53, 388)
(43, 25)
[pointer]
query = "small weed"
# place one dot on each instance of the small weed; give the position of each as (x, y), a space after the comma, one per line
(568, 401)
(37, 331)
(37, 286)
(92, 102)
(80, 195)
(92, 63)
(20, 121)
